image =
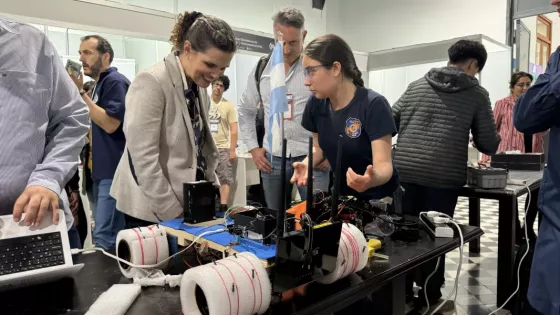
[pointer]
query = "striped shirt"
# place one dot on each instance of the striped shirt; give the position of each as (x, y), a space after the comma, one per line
(512, 140)
(298, 137)
(43, 120)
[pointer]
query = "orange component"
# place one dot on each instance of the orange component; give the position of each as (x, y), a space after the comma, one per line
(297, 210)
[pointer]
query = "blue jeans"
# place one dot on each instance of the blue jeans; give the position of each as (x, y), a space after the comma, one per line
(74, 238)
(272, 182)
(108, 220)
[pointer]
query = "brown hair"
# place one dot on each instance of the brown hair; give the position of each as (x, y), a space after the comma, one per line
(289, 17)
(330, 48)
(517, 76)
(203, 32)
(103, 46)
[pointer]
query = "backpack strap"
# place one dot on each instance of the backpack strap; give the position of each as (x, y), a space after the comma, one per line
(259, 71)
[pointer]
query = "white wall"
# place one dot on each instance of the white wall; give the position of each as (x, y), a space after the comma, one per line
(256, 15)
(372, 25)
(134, 21)
(95, 17)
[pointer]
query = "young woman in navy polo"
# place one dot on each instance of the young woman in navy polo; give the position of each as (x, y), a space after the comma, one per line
(341, 105)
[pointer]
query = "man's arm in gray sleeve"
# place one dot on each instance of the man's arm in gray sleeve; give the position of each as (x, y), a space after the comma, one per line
(66, 131)
(248, 107)
(485, 134)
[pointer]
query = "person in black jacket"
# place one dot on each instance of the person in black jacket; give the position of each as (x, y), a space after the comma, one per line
(434, 117)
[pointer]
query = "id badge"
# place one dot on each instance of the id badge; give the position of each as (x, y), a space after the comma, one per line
(289, 114)
(214, 123)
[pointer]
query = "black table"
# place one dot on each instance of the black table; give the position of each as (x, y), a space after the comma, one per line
(75, 296)
(507, 199)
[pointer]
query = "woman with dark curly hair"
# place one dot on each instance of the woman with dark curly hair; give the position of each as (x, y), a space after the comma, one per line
(168, 140)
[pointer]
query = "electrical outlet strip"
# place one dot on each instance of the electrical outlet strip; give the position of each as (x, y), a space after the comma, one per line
(518, 182)
(436, 230)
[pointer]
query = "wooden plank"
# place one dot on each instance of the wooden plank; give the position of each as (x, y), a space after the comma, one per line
(184, 239)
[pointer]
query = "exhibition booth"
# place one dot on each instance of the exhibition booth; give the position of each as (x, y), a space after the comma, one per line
(323, 255)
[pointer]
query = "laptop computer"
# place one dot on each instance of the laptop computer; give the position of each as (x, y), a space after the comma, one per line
(34, 255)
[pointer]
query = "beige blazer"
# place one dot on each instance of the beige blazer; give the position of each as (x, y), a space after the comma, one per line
(159, 145)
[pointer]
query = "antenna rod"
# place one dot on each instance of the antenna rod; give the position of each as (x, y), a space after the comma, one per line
(310, 199)
(281, 213)
(336, 188)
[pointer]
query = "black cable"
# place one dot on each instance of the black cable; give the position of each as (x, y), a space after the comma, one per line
(410, 224)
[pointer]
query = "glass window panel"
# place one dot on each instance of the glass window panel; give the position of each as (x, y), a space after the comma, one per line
(163, 49)
(545, 54)
(543, 29)
(538, 52)
(143, 51)
(116, 41)
(57, 36)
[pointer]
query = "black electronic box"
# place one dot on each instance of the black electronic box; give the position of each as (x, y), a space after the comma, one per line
(199, 202)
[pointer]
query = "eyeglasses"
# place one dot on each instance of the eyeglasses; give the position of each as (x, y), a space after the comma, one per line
(308, 71)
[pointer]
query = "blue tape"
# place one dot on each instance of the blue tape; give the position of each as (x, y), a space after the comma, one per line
(224, 238)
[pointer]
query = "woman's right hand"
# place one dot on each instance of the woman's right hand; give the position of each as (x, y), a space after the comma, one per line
(300, 174)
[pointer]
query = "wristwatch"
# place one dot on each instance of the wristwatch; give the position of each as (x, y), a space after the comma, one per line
(82, 92)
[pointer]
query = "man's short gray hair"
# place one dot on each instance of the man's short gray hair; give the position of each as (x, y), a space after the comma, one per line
(289, 17)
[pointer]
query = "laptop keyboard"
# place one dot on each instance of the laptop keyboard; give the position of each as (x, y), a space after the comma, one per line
(30, 253)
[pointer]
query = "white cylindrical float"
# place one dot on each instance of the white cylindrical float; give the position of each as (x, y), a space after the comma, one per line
(352, 255)
(142, 246)
(237, 284)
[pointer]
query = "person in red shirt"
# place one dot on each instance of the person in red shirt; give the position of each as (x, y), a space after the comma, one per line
(513, 140)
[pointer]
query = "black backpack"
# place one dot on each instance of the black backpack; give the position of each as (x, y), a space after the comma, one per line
(259, 120)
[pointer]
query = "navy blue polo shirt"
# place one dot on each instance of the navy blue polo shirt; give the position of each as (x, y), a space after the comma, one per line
(367, 118)
(107, 149)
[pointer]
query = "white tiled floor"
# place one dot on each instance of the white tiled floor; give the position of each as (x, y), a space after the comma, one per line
(478, 278)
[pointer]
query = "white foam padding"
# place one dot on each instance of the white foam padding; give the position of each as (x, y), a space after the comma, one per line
(233, 285)
(148, 246)
(157, 278)
(352, 255)
(115, 301)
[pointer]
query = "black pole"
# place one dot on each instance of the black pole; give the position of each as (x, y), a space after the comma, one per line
(310, 199)
(280, 217)
(337, 171)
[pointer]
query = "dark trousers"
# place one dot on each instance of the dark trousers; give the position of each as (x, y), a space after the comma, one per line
(532, 213)
(418, 199)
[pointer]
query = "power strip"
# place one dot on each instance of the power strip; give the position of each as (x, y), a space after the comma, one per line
(436, 230)
(518, 182)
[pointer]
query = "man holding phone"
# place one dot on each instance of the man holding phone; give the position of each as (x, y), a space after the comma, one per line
(106, 110)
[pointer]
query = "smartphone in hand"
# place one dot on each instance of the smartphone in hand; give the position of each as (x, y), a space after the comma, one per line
(73, 68)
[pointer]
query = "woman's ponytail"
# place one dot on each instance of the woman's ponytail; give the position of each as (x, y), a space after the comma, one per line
(357, 77)
(184, 23)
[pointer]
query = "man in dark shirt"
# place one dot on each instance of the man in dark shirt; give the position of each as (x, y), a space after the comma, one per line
(367, 118)
(107, 113)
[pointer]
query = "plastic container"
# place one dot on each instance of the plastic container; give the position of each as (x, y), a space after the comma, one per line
(487, 178)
